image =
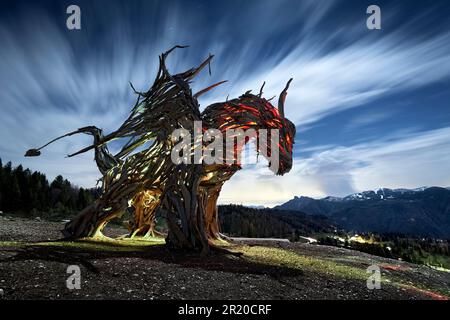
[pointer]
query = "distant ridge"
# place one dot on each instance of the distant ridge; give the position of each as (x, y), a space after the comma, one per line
(423, 211)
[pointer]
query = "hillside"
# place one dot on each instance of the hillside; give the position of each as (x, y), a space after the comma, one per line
(146, 270)
(240, 221)
(31, 194)
(419, 212)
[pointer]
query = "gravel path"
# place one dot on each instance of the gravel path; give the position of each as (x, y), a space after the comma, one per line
(156, 273)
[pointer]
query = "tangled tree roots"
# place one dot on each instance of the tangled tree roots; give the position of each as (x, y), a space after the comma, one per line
(147, 180)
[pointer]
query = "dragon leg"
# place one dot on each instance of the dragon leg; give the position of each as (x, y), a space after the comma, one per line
(145, 205)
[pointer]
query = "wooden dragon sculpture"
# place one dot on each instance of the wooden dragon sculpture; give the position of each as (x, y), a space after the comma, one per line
(142, 175)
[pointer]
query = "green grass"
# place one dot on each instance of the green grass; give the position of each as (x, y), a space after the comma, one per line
(11, 244)
(287, 258)
(103, 244)
(258, 254)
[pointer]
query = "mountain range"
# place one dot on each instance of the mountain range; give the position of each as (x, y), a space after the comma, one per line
(421, 212)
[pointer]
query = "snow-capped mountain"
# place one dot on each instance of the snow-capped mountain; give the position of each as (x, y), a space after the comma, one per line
(423, 211)
(378, 194)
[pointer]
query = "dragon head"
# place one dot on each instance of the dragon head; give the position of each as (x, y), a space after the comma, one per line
(251, 111)
(276, 120)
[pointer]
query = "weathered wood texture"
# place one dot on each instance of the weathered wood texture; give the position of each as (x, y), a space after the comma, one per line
(148, 180)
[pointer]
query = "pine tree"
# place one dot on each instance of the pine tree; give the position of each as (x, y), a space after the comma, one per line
(29, 192)
(15, 196)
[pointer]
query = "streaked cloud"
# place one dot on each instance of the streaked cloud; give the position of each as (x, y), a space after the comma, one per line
(54, 80)
(405, 159)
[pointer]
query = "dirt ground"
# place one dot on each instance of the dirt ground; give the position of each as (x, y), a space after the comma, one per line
(34, 267)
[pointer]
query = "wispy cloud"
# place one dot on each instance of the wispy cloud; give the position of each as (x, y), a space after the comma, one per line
(359, 73)
(368, 118)
(408, 160)
(54, 80)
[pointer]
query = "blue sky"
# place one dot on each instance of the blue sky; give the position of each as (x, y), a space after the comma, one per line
(371, 106)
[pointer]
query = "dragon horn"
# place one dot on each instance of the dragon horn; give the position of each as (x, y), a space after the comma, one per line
(282, 98)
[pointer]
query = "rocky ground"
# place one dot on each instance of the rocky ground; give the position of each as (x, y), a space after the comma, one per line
(34, 266)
